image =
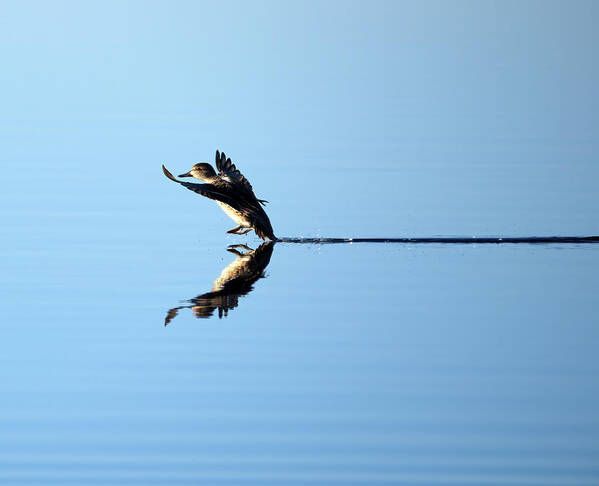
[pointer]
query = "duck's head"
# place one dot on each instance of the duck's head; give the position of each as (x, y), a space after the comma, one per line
(201, 171)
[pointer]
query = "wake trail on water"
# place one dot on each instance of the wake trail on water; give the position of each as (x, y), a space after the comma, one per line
(450, 240)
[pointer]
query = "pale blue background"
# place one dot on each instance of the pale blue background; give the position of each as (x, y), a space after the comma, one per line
(429, 117)
(361, 364)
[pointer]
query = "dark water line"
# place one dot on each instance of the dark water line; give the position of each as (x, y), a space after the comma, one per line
(450, 240)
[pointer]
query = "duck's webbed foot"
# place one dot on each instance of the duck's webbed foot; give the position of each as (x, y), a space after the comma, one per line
(235, 231)
(241, 245)
(245, 231)
(234, 249)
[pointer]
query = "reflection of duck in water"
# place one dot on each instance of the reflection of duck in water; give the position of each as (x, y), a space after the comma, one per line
(232, 192)
(236, 280)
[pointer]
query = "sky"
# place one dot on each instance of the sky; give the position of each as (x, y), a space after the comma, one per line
(357, 118)
(353, 119)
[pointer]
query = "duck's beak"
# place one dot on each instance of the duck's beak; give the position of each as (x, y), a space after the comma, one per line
(187, 174)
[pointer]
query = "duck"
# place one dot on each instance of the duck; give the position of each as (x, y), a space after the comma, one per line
(236, 280)
(232, 192)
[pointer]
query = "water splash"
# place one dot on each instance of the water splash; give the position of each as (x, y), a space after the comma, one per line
(450, 240)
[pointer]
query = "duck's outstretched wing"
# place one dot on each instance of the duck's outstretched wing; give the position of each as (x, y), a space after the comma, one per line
(171, 314)
(227, 169)
(206, 190)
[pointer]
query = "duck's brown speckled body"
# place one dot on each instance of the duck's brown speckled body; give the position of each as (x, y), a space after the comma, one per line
(232, 192)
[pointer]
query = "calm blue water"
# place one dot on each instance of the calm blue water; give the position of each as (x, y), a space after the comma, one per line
(344, 364)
